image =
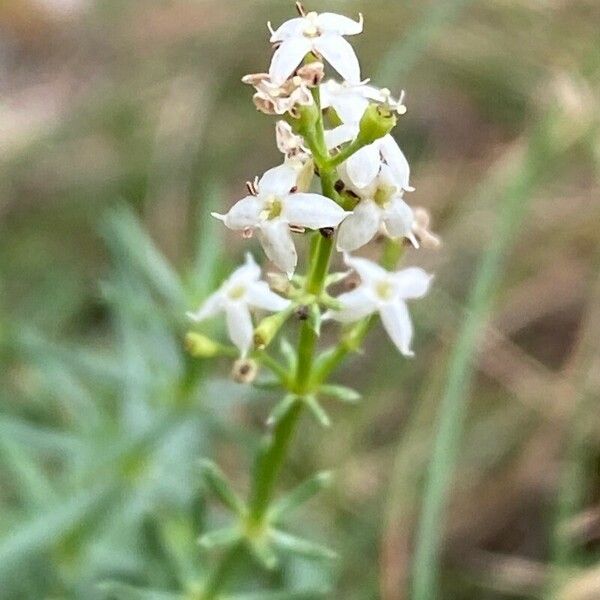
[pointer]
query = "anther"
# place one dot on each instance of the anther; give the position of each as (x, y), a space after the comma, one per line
(326, 232)
(339, 186)
(297, 229)
(300, 8)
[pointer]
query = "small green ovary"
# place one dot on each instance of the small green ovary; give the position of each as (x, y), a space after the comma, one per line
(237, 292)
(383, 195)
(385, 290)
(272, 209)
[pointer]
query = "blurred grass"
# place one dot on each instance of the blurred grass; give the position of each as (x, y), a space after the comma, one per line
(112, 154)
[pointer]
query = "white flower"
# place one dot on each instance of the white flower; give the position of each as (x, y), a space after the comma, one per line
(384, 292)
(274, 207)
(380, 208)
(319, 33)
(350, 101)
(242, 291)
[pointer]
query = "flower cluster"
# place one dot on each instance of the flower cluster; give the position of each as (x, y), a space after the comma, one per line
(339, 133)
(371, 172)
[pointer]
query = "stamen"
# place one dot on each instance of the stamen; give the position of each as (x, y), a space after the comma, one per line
(300, 8)
(297, 228)
(247, 233)
(251, 188)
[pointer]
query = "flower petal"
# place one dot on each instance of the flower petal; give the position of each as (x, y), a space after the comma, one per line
(360, 227)
(396, 160)
(333, 23)
(278, 245)
(287, 57)
(243, 214)
(239, 326)
(278, 180)
(312, 210)
(259, 295)
(412, 282)
(363, 166)
(339, 135)
(356, 305)
(396, 321)
(398, 218)
(291, 28)
(248, 273)
(209, 308)
(369, 272)
(340, 55)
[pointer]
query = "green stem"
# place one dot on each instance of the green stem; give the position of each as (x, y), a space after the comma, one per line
(222, 573)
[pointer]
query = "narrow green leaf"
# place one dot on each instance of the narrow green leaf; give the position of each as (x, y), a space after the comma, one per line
(128, 239)
(221, 538)
(340, 392)
(114, 590)
(298, 496)
(219, 485)
(317, 410)
(314, 318)
(297, 545)
(281, 409)
(263, 553)
(288, 352)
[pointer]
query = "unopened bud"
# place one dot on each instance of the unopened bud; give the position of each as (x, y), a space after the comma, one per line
(244, 370)
(200, 346)
(376, 122)
(267, 329)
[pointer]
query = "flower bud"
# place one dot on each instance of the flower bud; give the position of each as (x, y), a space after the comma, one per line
(200, 346)
(267, 329)
(376, 122)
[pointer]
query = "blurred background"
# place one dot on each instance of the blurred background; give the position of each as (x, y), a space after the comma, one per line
(122, 124)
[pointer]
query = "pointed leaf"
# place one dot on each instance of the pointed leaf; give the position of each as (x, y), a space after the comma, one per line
(314, 318)
(114, 590)
(288, 352)
(281, 409)
(220, 538)
(298, 496)
(263, 553)
(298, 545)
(317, 410)
(219, 485)
(340, 392)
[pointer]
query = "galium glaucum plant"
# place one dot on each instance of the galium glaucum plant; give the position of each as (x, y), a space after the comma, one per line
(335, 137)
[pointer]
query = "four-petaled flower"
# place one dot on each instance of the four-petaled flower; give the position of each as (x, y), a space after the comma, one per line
(242, 291)
(380, 208)
(318, 33)
(275, 207)
(350, 103)
(384, 292)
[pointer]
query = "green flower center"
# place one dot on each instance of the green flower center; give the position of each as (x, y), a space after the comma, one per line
(385, 290)
(237, 292)
(383, 195)
(272, 209)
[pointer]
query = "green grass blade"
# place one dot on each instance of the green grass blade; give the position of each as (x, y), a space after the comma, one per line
(539, 156)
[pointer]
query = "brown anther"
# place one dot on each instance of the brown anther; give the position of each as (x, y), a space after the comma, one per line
(251, 189)
(247, 233)
(297, 229)
(294, 189)
(353, 194)
(326, 232)
(300, 8)
(339, 186)
(302, 312)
